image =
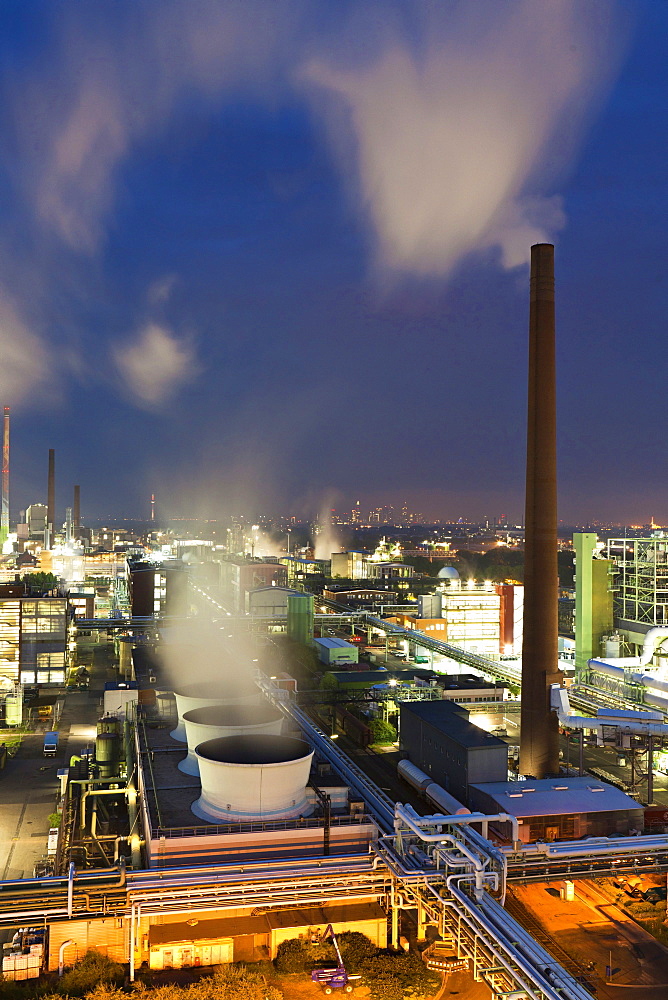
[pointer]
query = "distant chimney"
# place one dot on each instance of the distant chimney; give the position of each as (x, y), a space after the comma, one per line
(76, 515)
(4, 513)
(539, 736)
(51, 498)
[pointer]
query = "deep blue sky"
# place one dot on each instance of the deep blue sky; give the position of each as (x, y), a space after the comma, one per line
(269, 256)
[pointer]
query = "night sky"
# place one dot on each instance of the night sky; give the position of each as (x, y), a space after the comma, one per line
(271, 256)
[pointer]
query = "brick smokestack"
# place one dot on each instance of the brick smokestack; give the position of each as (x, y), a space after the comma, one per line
(51, 497)
(539, 739)
(76, 514)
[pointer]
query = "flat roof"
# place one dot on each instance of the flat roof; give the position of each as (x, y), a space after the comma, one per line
(453, 721)
(557, 796)
(334, 643)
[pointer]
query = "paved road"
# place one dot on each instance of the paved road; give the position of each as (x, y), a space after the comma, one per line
(591, 928)
(29, 785)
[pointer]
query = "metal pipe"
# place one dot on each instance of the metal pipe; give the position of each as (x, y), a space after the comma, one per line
(70, 889)
(61, 955)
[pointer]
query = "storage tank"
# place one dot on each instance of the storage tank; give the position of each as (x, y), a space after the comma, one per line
(108, 724)
(245, 692)
(300, 617)
(413, 775)
(107, 754)
(253, 778)
(218, 721)
(13, 709)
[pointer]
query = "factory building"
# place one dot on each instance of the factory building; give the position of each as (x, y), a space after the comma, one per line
(269, 602)
(240, 575)
(559, 808)
(157, 588)
(439, 739)
(350, 565)
(33, 639)
(482, 619)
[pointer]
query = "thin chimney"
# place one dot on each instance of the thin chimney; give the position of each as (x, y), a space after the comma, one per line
(539, 738)
(4, 515)
(51, 497)
(76, 517)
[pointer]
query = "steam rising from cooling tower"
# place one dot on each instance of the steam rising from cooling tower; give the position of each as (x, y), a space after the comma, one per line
(539, 737)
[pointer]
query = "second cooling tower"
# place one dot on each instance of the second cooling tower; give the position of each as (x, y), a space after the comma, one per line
(202, 695)
(253, 778)
(219, 721)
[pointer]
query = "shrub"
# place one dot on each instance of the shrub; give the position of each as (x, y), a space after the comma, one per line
(391, 975)
(291, 955)
(356, 948)
(93, 969)
(382, 732)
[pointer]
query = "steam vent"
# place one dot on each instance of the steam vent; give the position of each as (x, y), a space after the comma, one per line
(251, 778)
(206, 694)
(218, 721)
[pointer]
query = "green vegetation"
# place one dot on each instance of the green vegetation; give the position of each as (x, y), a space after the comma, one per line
(93, 970)
(388, 975)
(55, 819)
(382, 732)
(40, 582)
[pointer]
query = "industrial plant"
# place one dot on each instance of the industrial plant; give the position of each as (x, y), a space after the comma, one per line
(235, 750)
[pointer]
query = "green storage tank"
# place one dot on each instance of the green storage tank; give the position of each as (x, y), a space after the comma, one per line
(107, 753)
(300, 617)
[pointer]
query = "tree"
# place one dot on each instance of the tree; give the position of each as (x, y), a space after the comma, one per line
(40, 581)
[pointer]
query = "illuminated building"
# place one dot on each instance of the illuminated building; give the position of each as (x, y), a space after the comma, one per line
(33, 637)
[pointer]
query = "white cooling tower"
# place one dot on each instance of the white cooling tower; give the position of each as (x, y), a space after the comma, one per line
(218, 721)
(253, 778)
(201, 695)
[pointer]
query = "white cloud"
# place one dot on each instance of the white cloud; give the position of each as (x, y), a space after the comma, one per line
(24, 359)
(156, 365)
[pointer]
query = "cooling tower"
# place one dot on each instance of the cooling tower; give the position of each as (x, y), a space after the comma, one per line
(253, 778)
(218, 721)
(202, 695)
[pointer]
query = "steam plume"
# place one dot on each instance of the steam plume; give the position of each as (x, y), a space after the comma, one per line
(458, 143)
(155, 365)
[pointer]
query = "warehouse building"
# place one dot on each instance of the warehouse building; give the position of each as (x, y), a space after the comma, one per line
(559, 808)
(439, 739)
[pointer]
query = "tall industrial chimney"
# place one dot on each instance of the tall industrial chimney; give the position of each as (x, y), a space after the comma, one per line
(4, 514)
(76, 517)
(51, 498)
(539, 738)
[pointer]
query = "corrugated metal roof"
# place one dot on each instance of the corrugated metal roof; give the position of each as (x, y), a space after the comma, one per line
(557, 796)
(334, 643)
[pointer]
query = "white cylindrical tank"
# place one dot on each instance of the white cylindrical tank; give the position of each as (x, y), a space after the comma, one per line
(252, 778)
(201, 695)
(217, 721)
